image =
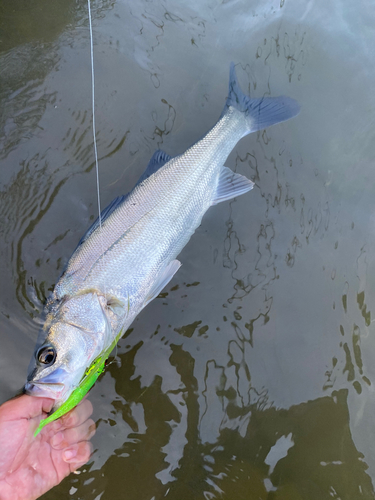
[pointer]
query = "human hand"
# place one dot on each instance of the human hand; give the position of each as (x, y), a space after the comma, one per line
(30, 466)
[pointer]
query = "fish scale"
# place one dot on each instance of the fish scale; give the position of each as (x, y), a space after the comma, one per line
(171, 221)
(194, 172)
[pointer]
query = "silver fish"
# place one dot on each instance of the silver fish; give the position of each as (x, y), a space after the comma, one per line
(117, 269)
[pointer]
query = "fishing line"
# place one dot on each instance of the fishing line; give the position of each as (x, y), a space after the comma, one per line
(94, 129)
(93, 114)
(97, 367)
(94, 136)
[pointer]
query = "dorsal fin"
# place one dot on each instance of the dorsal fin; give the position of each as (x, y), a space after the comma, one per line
(106, 212)
(158, 160)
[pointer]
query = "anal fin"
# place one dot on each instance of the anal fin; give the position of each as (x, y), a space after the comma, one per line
(230, 185)
(163, 279)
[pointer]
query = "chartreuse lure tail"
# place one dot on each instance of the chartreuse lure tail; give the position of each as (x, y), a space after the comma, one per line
(88, 380)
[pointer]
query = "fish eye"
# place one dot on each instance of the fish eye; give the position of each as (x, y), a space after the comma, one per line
(46, 355)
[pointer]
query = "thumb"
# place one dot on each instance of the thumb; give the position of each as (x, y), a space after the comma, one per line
(25, 407)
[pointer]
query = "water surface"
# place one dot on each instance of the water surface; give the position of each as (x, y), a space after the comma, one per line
(251, 376)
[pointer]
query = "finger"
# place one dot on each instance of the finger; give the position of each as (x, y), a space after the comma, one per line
(73, 435)
(74, 417)
(25, 407)
(78, 454)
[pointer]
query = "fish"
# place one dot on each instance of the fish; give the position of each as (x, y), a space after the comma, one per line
(129, 254)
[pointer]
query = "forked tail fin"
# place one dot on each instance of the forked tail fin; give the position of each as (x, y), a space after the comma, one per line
(262, 112)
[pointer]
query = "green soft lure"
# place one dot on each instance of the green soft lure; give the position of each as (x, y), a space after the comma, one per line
(88, 380)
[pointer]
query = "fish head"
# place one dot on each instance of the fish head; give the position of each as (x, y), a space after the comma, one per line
(58, 365)
(77, 332)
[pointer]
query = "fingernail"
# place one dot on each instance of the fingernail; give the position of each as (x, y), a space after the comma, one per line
(57, 438)
(69, 454)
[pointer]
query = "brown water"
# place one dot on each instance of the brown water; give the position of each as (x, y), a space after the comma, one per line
(252, 375)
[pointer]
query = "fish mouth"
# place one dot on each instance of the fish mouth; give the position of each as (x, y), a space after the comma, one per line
(49, 386)
(45, 390)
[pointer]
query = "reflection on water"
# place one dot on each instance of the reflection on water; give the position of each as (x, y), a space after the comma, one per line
(252, 374)
(304, 452)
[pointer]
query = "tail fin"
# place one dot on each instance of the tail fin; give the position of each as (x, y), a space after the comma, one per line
(259, 113)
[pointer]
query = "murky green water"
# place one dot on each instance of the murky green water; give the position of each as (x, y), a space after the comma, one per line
(252, 375)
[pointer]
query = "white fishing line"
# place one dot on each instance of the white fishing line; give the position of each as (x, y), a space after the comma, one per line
(95, 147)
(93, 114)
(94, 131)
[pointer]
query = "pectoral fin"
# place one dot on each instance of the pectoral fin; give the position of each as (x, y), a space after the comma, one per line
(230, 185)
(117, 306)
(163, 279)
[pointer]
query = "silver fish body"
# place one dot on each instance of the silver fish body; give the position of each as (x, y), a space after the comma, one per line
(118, 268)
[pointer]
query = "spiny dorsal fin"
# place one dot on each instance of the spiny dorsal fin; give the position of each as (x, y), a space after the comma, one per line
(158, 160)
(104, 215)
